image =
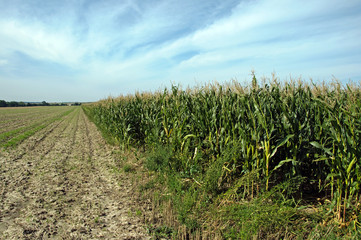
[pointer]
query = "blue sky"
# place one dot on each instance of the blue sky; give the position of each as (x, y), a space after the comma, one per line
(87, 50)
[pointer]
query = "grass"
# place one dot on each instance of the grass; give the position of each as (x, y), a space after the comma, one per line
(128, 168)
(16, 140)
(11, 133)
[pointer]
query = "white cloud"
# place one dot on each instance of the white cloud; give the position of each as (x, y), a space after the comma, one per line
(271, 35)
(267, 36)
(38, 43)
(3, 62)
(138, 45)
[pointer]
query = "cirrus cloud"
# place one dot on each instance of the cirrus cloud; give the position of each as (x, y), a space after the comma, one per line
(112, 47)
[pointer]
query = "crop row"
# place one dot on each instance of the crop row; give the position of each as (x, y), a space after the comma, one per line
(15, 136)
(274, 132)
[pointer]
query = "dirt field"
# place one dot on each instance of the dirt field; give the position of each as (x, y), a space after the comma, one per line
(58, 183)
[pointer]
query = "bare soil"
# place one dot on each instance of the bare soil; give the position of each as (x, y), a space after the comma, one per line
(59, 184)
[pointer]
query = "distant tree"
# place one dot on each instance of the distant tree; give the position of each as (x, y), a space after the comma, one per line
(21, 104)
(43, 103)
(13, 104)
(3, 103)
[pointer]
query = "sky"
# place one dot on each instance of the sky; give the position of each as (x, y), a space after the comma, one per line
(87, 50)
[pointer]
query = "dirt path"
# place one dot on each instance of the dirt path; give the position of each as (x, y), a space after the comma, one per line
(58, 184)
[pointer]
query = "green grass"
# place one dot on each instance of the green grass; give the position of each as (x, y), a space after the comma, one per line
(128, 168)
(11, 133)
(16, 140)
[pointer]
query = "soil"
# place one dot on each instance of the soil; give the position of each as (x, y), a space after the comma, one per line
(60, 184)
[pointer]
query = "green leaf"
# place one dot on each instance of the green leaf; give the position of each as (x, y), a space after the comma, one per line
(332, 175)
(294, 162)
(321, 159)
(280, 144)
(319, 146)
(351, 164)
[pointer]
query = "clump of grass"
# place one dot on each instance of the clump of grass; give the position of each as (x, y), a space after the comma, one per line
(160, 159)
(128, 168)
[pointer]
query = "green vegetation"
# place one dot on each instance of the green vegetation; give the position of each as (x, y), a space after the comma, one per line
(4, 103)
(15, 136)
(277, 160)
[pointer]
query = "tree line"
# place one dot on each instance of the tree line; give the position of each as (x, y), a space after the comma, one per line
(4, 103)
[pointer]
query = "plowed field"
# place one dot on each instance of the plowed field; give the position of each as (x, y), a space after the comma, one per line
(56, 180)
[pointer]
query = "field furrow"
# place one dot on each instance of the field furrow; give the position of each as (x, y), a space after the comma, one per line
(16, 135)
(28, 116)
(57, 184)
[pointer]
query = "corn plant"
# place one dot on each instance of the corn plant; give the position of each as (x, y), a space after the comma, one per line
(276, 131)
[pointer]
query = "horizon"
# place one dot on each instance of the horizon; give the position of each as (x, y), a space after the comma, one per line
(85, 51)
(332, 84)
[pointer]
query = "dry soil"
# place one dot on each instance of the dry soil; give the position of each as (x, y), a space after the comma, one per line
(59, 184)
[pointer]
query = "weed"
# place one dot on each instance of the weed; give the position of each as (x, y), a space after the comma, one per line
(159, 159)
(161, 232)
(138, 213)
(128, 168)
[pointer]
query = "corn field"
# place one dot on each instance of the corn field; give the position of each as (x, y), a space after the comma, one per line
(276, 130)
